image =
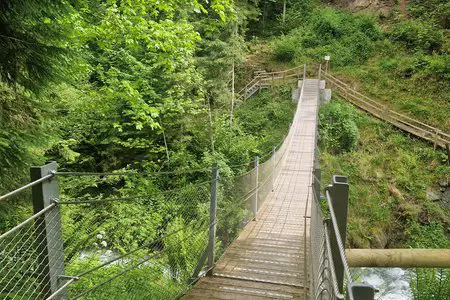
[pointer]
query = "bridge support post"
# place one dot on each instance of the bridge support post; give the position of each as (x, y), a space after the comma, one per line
(255, 199)
(304, 72)
(273, 168)
(212, 219)
(49, 242)
(339, 200)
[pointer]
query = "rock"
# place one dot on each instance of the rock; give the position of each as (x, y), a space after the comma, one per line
(423, 217)
(443, 182)
(433, 196)
(373, 279)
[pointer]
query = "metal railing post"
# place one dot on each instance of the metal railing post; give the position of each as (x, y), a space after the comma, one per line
(273, 167)
(362, 291)
(304, 72)
(255, 199)
(212, 219)
(317, 173)
(339, 192)
(49, 242)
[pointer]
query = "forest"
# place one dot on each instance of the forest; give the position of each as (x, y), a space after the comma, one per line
(144, 88)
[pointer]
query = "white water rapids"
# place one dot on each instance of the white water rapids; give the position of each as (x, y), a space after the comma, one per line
(392, 283)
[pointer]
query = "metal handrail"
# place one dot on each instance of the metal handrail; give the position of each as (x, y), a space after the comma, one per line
(22, 188)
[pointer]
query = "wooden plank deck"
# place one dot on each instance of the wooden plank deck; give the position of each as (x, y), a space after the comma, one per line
(267, 259)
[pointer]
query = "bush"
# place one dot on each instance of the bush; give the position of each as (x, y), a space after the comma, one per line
(348, 39)
(430, 284)
(286, 47)
(419, 36)
(338, 130)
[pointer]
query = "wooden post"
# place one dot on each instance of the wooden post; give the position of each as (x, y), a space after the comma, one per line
(304, 73)
(436, 138)
(212, 219)
(49, 247)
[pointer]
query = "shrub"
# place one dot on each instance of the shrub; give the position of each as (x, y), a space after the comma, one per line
(338, 130)
(349, 39)
(286, 48)
(419, 36)
(326, 24)
(430, 284)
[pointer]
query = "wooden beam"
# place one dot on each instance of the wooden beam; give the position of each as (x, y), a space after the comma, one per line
(402, 258)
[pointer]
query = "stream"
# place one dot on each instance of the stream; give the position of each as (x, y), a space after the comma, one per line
(392, 283)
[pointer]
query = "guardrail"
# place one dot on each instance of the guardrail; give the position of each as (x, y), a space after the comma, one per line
(382, 112)
(267, 80)
(57, 252)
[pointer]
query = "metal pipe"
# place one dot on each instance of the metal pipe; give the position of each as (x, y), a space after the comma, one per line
(31, 184)
(21, 225)
(69, 282)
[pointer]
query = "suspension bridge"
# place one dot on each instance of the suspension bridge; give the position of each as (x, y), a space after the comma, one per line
(261, 234)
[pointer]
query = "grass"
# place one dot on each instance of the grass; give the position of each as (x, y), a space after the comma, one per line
(389, 173)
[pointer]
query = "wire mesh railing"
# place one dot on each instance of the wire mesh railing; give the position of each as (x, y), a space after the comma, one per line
(159, 236)
(127, 245)
(330, 272)
(23, 256)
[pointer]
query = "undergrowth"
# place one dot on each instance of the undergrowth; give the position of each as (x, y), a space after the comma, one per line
(389, 173)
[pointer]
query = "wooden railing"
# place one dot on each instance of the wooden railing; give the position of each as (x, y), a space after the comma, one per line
(381, 111)
(266, 80)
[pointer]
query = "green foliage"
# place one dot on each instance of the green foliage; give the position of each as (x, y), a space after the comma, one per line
(286, 48)
(36, 39)
(348, 39)
(388, 174)
(338, 129)
(433, 284)
(427, 236)
(418, 36)
(296, 13)
(433, 10)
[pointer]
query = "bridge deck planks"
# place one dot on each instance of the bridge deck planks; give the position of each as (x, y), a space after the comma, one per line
(267, 259)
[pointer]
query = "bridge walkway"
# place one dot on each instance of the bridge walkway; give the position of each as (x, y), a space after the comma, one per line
(267, 260)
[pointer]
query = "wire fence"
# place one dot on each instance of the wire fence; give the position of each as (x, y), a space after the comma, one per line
(23, 255)
(89, 244)
(152, 245)
(157, 237)
(129, 246)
